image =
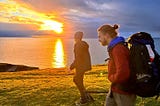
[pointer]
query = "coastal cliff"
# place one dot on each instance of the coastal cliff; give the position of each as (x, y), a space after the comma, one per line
(5, 67)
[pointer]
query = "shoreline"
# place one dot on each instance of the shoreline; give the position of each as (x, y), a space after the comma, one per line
(7, 67)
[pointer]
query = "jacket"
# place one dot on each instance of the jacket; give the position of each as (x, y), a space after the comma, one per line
(118, 66)
(82, 60)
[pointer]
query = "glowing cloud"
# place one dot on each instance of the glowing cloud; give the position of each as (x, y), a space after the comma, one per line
(14, 12)
(52, 25)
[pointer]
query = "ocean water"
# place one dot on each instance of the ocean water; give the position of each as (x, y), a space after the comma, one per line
(49, 52)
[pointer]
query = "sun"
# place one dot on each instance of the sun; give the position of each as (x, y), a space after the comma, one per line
(52, 25)
(14, 11)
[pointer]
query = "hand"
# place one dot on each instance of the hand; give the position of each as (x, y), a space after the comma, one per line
(69, 71)
(71, 66)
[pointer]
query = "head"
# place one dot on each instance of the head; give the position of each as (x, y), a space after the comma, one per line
(78, 36)
(106, 33)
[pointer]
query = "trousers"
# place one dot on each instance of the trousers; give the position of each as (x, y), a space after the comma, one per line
(78, 80)
(116, 99)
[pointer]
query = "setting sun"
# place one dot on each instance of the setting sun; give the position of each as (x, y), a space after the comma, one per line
(17, 12)
(52, 25)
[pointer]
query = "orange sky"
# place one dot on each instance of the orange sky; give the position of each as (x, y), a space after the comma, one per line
(17, 12)
(79, 15)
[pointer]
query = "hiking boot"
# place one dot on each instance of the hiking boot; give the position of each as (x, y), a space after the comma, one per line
(81, 102)
(84, 101)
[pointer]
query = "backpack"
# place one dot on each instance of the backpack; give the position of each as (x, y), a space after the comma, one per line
(144, 65)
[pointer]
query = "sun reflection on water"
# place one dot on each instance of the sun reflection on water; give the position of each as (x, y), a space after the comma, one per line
(58, 55)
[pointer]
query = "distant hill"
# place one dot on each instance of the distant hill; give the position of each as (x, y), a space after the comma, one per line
(28, 33)
(16, 33)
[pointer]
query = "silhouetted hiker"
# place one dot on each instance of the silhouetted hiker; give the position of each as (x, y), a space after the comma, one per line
(81, 63)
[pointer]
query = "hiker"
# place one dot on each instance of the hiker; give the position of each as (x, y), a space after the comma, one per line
(118, 67)
(81, 63)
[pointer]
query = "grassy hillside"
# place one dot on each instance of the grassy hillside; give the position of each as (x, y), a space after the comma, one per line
(54, 87)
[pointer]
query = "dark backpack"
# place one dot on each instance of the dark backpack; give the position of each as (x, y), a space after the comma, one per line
(145, 71)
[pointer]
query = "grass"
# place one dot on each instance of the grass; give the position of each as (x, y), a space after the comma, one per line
(54, 87)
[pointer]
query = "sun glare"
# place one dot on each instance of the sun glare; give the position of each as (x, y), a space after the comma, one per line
(52, 25)
(58, 55)
(17, 12)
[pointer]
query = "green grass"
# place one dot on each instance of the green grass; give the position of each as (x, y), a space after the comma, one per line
(54, 87)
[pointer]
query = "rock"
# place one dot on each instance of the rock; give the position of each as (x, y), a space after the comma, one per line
(5, 67)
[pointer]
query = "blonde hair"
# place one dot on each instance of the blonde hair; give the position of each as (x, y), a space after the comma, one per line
(111, 30)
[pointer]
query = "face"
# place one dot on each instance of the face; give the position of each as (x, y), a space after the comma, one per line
(77, 40)
(103, 38)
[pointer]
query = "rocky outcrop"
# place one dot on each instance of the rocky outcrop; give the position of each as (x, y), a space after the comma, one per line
(5, 67)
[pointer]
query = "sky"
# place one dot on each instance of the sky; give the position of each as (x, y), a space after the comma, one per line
(37, 16)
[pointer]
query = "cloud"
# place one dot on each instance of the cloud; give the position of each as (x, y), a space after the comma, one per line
(88, 15)
(21, 13)
(20, 27)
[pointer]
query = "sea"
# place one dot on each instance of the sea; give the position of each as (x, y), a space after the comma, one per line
(49, 52)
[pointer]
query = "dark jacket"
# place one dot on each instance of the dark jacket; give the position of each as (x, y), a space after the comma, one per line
(82, 60)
